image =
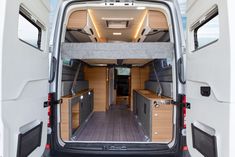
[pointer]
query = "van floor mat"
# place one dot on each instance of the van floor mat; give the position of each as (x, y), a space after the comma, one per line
(118, 107)
(117, 124)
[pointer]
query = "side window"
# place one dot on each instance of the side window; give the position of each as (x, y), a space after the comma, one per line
(206, 31)
(29, 30)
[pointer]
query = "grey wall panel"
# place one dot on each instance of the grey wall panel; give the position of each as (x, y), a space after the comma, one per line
(68, 73)
(67, 85)
(164, 73)
(164, 76)
(167, 87)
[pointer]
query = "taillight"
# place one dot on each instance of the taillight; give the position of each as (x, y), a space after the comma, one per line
(49, 111)
(184, 114)
(48, 146)
(185, 148)
(184, 101)
(47, 151)
(49, 122)
(184, 109)
(50, 98)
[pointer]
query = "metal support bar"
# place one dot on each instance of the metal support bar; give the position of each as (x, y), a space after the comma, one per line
(158, 81)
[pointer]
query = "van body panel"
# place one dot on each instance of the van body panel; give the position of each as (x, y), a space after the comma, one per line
(209, 86)
(231, 26)
(24, 79)
(2, 12)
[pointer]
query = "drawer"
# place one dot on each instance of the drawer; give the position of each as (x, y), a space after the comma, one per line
(163, 134)
(162, 123)
(162, 116)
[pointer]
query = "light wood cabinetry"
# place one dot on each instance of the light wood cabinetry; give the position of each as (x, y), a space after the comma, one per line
(155, 114)
(138, 77)
(74, 111)
(97, 77)
(77, 20)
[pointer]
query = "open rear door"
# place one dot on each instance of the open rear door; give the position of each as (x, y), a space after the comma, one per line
(209, 85)
(24, 77)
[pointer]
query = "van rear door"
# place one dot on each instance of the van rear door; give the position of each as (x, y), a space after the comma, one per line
(24, 77)
(209, 84)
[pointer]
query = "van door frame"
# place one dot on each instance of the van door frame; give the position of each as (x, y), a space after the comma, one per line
(59, 146)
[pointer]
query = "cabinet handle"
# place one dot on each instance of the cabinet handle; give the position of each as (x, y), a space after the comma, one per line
(156, 104)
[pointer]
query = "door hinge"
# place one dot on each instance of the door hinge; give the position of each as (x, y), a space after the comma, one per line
(50, 103)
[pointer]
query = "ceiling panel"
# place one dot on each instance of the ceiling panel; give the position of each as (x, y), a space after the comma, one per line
(128, 33)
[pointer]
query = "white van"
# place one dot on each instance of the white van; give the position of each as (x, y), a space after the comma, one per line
(119, 75)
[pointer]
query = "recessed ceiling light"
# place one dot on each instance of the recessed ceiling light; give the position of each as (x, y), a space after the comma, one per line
(117, 24)
(141, 8)
(117, 18)
(141, 23)
(93, 21)
(117, 33)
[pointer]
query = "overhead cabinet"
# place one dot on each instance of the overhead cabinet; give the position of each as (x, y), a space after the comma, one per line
(81, 25)
(154, 27)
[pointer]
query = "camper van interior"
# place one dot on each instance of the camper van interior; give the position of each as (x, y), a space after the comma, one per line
(117, 76)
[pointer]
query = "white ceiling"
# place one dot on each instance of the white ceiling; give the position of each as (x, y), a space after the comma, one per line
(128, 33)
